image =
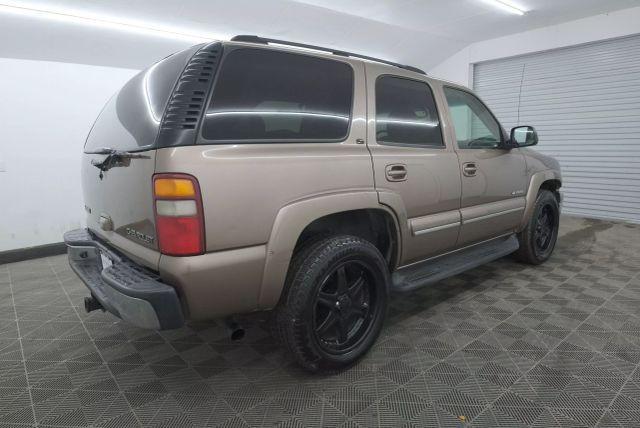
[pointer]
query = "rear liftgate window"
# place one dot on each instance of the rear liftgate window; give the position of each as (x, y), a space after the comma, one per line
(270, 96)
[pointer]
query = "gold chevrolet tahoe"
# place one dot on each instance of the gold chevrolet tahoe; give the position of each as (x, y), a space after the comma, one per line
(264, 175)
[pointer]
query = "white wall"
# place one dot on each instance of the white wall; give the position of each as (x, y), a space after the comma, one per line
(458, 68)
(47, 110)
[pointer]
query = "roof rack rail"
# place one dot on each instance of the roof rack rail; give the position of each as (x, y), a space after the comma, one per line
(262, 40)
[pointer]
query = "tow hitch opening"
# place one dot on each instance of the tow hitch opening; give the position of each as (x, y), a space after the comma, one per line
(92, 304)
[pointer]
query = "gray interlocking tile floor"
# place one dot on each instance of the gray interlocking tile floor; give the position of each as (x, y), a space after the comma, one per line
(502, 345)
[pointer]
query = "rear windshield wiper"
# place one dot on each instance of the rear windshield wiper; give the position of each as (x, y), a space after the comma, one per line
(114, 158)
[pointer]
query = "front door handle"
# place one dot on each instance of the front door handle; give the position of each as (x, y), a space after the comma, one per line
(396, 172)
(469, 169)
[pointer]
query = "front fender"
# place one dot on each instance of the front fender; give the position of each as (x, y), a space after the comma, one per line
(287, 228)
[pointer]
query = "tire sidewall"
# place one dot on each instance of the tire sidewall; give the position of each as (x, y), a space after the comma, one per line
(323, 262)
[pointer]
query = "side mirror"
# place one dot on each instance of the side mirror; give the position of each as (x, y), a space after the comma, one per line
(524, 136)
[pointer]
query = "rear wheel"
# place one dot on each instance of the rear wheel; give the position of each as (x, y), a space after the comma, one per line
(538, 239)
(334, 302)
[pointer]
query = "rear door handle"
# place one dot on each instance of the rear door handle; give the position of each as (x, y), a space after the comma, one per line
(396, 172)
(469, 169)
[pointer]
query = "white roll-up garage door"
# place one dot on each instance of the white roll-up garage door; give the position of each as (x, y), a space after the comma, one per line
(585, 103)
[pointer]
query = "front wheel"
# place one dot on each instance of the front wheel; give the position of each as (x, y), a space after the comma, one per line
(334, 302)
(538, 239)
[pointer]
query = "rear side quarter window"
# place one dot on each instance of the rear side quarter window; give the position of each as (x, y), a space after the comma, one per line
(270, 96)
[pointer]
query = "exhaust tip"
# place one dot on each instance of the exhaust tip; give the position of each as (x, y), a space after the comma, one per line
(237, 334)
(235, 330)
(92, 304)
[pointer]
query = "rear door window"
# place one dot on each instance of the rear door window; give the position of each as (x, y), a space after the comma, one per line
(270, 96)
(406, 113)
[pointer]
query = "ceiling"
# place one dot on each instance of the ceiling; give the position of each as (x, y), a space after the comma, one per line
(417, 32)
(471, 20)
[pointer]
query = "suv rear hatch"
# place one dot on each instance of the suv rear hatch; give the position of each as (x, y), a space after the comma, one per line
(119, 161)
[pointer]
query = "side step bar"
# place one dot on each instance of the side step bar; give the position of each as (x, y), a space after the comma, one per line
(437, 269)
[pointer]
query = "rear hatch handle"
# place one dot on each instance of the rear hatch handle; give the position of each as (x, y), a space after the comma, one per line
(114, 158)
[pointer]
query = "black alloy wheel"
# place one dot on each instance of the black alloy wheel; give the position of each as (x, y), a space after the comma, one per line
(538, 238)
(344, 307)
(545, 225)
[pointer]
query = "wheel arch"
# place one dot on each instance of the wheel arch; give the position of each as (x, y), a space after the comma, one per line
(553, 185)
(548, 180)
(375, 225)
(299, 221)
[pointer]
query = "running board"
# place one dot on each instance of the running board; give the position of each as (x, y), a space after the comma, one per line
(434, 270)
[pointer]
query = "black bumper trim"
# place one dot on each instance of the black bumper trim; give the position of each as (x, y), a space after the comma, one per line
(125, 288)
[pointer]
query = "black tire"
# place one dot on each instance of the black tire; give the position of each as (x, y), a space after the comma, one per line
(337, 286)
(538, 239)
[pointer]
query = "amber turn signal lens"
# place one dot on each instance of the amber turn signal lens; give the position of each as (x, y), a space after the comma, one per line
(173, 188)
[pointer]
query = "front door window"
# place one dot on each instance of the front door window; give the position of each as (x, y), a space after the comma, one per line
(475, 127)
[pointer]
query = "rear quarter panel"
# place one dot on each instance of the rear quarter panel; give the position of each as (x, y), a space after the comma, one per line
(244, 186)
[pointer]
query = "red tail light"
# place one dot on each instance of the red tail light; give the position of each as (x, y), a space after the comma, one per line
(178, 209)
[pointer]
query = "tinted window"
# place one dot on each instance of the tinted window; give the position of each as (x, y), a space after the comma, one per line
(406, 113)
(264, 95)
(131, 118)
(474, 125)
